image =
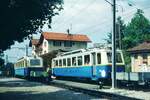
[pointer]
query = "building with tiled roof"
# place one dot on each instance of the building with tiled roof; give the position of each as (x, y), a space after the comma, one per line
(140, 57)
(65, 37)
(144, 47)
(50, 41)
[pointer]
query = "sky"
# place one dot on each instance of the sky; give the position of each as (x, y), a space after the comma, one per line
(90, 17)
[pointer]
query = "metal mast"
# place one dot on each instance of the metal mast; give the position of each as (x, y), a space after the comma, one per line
(114, 46)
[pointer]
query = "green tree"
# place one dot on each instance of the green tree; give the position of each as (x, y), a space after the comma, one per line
(137, 31)
(19, 18)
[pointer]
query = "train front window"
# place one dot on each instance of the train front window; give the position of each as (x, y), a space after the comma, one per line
(34, 62)
(118, 57)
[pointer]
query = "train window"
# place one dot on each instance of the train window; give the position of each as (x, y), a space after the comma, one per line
(98, 58)
(79, 60)
(34, 62)
(64, 62)
(73, 61)
(87, 59)
(68, 62)
(56, 62)
(118, 57)
(60, 62)
(109, 55)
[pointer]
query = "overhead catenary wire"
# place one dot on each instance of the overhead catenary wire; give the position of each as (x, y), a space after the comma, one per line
(78, 12)
(64, 11)
(124, 16)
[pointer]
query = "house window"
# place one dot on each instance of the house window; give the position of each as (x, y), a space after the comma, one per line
(68, 43)
(144, 56)
(135, 56)
(56, 43)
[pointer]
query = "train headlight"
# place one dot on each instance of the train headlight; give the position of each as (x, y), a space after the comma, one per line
(103, 73)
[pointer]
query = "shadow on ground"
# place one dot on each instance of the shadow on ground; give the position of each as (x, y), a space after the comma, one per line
(57, 95)
(19, 83)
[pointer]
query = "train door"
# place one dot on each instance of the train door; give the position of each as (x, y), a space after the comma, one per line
(93, 58)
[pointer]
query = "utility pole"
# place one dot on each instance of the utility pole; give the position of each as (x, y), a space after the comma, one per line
(113, 74)
(114, 46)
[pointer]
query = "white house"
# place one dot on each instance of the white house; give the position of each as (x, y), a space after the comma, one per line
(51, 41)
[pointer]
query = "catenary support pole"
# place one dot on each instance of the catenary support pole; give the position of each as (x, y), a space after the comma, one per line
(114, 46)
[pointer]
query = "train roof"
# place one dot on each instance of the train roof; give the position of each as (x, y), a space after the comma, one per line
(27, 57)
(89, 50)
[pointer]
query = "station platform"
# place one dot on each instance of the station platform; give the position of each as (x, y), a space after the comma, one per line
(140, 94)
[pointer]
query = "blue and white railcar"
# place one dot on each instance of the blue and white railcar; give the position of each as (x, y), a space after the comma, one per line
(87, 63)
(29, 67)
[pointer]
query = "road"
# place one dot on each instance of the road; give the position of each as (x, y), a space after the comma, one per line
(19, 89)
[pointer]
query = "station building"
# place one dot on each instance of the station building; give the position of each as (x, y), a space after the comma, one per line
(140, 57)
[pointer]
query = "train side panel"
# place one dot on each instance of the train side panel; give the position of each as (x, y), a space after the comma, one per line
(103, 71)
(21, 72)
(94, 64)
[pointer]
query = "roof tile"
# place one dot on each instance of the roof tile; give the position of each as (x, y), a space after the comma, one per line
(141, 47)
(65, 37)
